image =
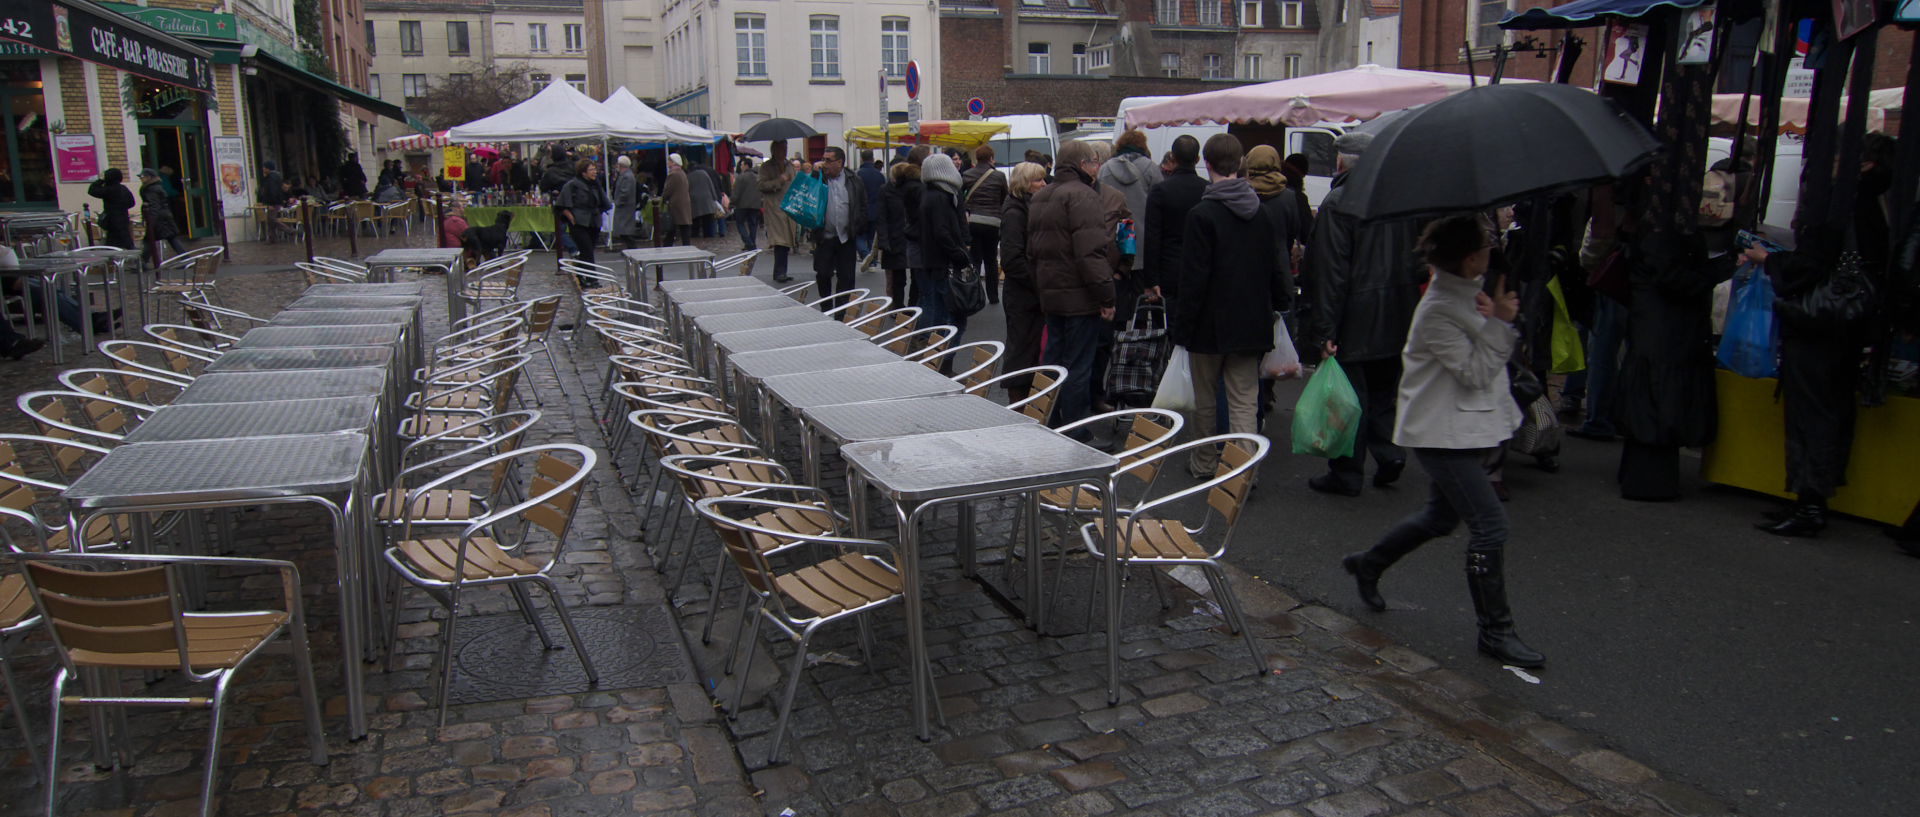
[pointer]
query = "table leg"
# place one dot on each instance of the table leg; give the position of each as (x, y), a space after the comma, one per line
(916, 633)
(1030, 522)
(1110, 516)
(455, 309)
(346, 558)
(86, 315)
(49, 301)
(969, 559)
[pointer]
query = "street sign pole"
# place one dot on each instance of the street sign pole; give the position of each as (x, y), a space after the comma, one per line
(886, 136)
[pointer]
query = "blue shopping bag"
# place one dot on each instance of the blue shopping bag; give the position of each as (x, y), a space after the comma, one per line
(1751, 345)
(806, 201)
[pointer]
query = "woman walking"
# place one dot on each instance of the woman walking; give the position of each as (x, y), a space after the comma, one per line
(157, 210)
(746, 205)
(584, 201)
(626, 202)
(782, 234)
(900, 226)
(116, 208)
(1454, 407)
(1021, 298)
(943, 241)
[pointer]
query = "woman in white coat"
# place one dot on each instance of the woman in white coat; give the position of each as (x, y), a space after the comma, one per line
(1454, 407)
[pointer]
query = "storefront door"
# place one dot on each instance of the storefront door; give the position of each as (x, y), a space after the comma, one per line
(26, 155)
(182, 145)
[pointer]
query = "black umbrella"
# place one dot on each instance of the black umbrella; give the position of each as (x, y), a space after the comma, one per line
(1493, 145)
(777, 130)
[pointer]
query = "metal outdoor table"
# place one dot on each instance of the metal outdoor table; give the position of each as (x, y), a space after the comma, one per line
(126, 264)
(357, 302)
(750, 368)
(324, 469)
(247, 387)
(639, 261)
(862, 384)
(792, 314)
(49, 272)
(301, 357)
(675, 302)
(682, 314)
(448, 261)
(342, 317)
(887, 419)
(398, 337)
(271, 418)
(920, 473)
(672, 289)
(395, 288)
(725, 344)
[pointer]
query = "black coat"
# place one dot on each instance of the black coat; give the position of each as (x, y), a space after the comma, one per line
(1363, 282)
(900, 219)
(943, 229)
(157, 210)
(1015, 268)
(353, 180)
(116, 211)
(556, 177)
(1665, 392)
(857, 216)
(1230, 282)
(1167, 206)
(586, 200)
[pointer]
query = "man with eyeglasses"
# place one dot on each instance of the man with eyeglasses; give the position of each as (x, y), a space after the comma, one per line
(834, 254)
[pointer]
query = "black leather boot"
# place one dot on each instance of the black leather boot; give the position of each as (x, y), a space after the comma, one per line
(1366, 579)
(1805, 519)
(1488, 585)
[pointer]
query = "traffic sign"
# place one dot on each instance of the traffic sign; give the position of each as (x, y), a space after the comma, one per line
(977, 106)
(913, 79)
(913, 116)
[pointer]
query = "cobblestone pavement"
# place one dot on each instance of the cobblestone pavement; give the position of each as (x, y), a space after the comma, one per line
(1342, 722)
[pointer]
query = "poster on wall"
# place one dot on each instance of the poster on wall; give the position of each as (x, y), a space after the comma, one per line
(1626, 53)
(75, 157)
(230, 167)
(1696, 37)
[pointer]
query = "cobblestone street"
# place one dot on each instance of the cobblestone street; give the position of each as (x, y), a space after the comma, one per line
(1343, 722)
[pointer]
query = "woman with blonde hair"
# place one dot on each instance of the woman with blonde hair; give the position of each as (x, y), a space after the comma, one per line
(1020, 298)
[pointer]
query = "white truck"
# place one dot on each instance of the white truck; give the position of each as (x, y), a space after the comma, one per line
(1315, 141)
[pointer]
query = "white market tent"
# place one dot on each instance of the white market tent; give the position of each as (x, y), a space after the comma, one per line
(631, 113)
(557, 112)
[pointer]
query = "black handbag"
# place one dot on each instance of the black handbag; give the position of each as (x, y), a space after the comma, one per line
(1844, 299)
(1524, 385)
(966, 291)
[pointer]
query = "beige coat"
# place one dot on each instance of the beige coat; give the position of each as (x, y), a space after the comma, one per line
(781, 229)
(1453, 389)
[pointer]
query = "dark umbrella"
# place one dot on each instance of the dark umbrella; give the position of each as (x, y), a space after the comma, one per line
(777, 130)
(1493, 145)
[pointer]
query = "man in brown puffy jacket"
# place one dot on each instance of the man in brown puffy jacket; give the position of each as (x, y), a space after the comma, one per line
(1070, 232)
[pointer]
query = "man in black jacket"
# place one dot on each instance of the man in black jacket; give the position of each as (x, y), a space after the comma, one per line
(1364, 282)
(1231, 281)
(1167, 206)
(834, 255)
(559, 172)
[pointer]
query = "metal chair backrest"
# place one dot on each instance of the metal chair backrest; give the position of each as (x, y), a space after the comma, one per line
(1226, 491)
(204, 315)
(323, 274)
(77, 415)
(935, 339)
(179, 362)
(679, 430)
(128, 384)
(553, 493)
(20, 491)
(735, 263)
(342, 265)
(1038, 403)
(978, 357)
(862, 308)
(882, 324)
(111, 618)
(839, 299)
(733, 521)
(541, 314)
(184, 338)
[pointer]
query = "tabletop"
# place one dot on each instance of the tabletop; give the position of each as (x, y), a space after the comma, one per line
(274, 418)
(273, 337)
(415, 256)
(986, 460)
(666, 255)
(116, 253)
(747, 301)
(685, 297)
(402, 288)
(47, 263)
(860, 384)
(781, 337)
(673, 288)
(250, 387)
(887, 419)
(818, 357)
(342, 317)
(356, 302)
(234, 471)
(301, 357)
(792, 315)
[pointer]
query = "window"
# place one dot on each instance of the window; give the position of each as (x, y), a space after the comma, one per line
(578, 81)
(1166, 12)
(576, 34)
(1291, 12)
(1343, 10)
(1250, 66)
(456, 38)
(413, 86)
(750, 44)
(373, 85)
(1250, 13)
(1078, 4)
(1290, 66)
(1039, 60)
(1100, 56)
(824, 41)
(1212, 67)
(369, 37)
(1079, 58)
(1488, 31)
(458, 78)
(1208, 11)
(1170, 64)
(1041, 3)
(894, 42)
(539, 80)
(537, 37)
(410, 38)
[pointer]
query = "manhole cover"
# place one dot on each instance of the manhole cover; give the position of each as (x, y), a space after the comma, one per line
(499, 657)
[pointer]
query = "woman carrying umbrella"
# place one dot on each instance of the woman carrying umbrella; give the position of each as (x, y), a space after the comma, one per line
(782, 233)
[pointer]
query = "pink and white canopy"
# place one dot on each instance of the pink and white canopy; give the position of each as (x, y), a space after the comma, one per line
(419, 141)
(1793, 111)
(1359, 93)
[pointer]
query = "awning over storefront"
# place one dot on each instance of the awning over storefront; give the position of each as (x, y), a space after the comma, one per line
(1582, 13)
(86, 31)
(279, 65)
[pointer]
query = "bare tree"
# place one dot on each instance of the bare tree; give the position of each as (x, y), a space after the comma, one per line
(484, 90)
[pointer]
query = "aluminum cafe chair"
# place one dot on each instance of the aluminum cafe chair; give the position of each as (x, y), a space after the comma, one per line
(489, 552)
(665, 389)
(1156, 533)
(711, 475)
(22, 493)
(638, 366)
(492, 283)
(797, 291)
(190, 339)
(977, 358)
(203, 314)
(132, 385)
(839, 299)
(542, 314)
(82, 416)
(18, 620)
(190, 273)
(317, 273)
(342, 265)
(108, 614)
(799, 600)
(453, 399)
(882, 324)
(926, 341)
(862, 308)
(179, 362)
(483, 436)
(668, 430)
(740, 263)
(1148, 430)
(1038, 403)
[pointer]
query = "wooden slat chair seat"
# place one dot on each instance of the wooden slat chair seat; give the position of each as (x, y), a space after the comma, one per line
(485, 559)
(214, 642)
(840, 585)
(453, 504)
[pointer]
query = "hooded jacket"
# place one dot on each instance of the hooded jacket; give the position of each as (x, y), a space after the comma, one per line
(1070, 244)
(900, 217)
(1166, 225)
(1230, 279)
(156, 210)
(116, 207)
(559, 172)
(943, 223)
(1364, 281)
(1134, 175)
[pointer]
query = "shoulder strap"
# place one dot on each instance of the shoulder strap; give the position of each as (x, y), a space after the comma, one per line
(977, 182)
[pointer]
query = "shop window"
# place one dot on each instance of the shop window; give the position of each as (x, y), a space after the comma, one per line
(27, 156)
(411, 43)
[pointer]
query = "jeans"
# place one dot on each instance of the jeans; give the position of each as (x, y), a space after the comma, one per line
(1460, 491)
(1377, 383)
(780, 253)
(833, 264)
(1608, 334)
(1239, 377)
(863, 243)
(68, 308)
(1071, 341)
(930, 294)
(747, 223)
(986, 256)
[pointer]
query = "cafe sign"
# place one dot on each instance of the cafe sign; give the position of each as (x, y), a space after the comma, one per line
(206, 25)
(85, 31)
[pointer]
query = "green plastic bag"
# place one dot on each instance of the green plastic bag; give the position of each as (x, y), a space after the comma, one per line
(806, 201)
(1568, 354)
(1327, 418)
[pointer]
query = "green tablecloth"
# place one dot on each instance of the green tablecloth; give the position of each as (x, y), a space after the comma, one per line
(526, 218)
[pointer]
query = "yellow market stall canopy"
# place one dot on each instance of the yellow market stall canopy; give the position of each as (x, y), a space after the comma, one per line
(947, 133)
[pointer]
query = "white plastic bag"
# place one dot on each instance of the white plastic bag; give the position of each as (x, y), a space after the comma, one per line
(1284, 361)
(1176, 385)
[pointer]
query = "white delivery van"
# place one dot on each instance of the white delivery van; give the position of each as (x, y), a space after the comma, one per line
(1776, 220)
(1315, 141)
(1030, 131)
